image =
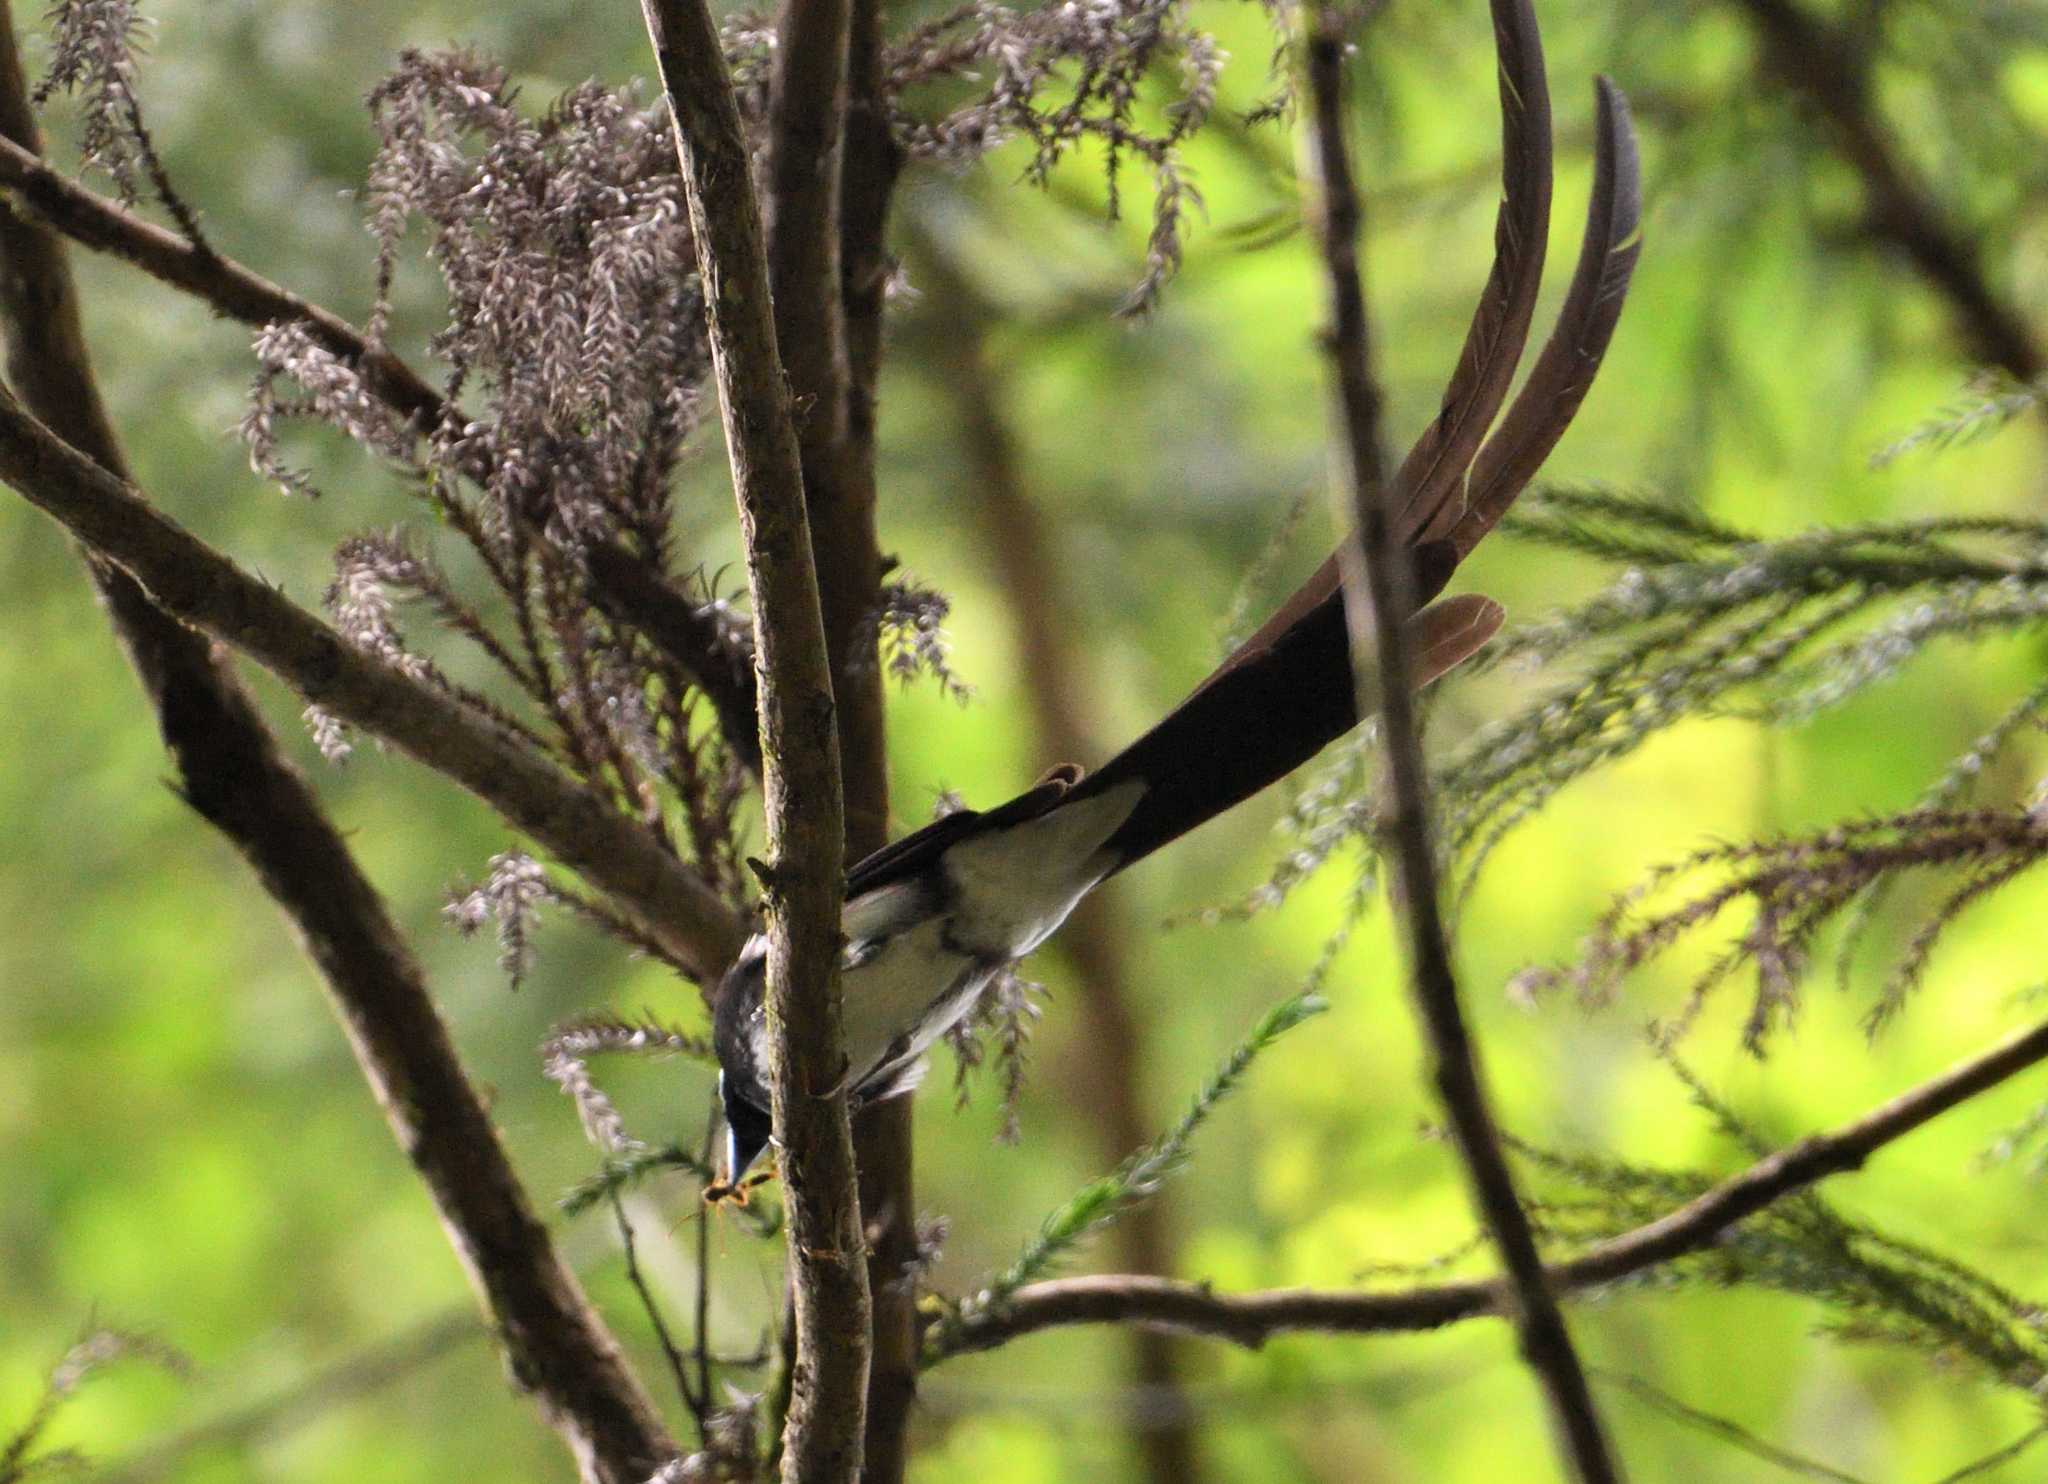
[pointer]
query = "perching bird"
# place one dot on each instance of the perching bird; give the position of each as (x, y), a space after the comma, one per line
(932, 918)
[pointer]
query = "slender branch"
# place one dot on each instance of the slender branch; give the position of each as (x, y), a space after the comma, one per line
(230, 770)
(1375, 573)
(1817, 60)
(678, 1372)
(660, 895)
(1253, 1318)
(805, 180)
(800, 215)
(628, 588)
(805, 875)
(558, 1347)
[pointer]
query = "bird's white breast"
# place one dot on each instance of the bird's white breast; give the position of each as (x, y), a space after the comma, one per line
(1011, 889)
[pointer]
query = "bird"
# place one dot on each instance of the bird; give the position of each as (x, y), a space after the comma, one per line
(931, 919)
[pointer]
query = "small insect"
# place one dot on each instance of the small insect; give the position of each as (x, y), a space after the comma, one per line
(734, 1191)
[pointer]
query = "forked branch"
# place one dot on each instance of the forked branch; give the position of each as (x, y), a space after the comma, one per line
(1253, 1318)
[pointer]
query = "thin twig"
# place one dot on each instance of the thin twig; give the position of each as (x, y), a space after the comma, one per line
(230, 288)
(1374, 571)
(1997, 1458)
(1252, 1318)
(701, 1352)
(676, 1368)
(1734, 1434)
(800, 756)
(274, 1417)
(631, 589)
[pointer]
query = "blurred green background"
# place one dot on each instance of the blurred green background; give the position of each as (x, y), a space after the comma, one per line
(186, 1146)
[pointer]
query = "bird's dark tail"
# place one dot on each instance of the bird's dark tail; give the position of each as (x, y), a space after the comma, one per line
(1263, 716)
(1289, 690)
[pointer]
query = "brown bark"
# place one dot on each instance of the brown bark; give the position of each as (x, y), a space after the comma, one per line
(805, 875)
(657, 893)
(1253, 1318)
(850, 572)
(240, 293)
(230, 771)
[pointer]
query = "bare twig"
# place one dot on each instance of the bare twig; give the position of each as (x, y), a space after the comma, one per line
(677, 1371)
(800, 757)
(1725, 1430)
(1253, 1318)
(662, 897)
(1374, 572)
(231, 772)
(1817, 60)
(631, 589)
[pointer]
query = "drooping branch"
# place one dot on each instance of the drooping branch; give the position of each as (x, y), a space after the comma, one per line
(1378, 604)
(805, 877)
(1253, 1318)
(190, 580)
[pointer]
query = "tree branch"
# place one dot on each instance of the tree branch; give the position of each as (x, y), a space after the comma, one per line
(1378, 604)
(632, 590)
(809, 238)
(1816, 60)
(660, 895)
(822, 1440)
(231, 772)
(1253, 1318)
(629, 588)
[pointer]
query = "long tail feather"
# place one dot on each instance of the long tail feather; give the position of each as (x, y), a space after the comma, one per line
(1430, 489)
(1564, 372)
(1259, 721)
